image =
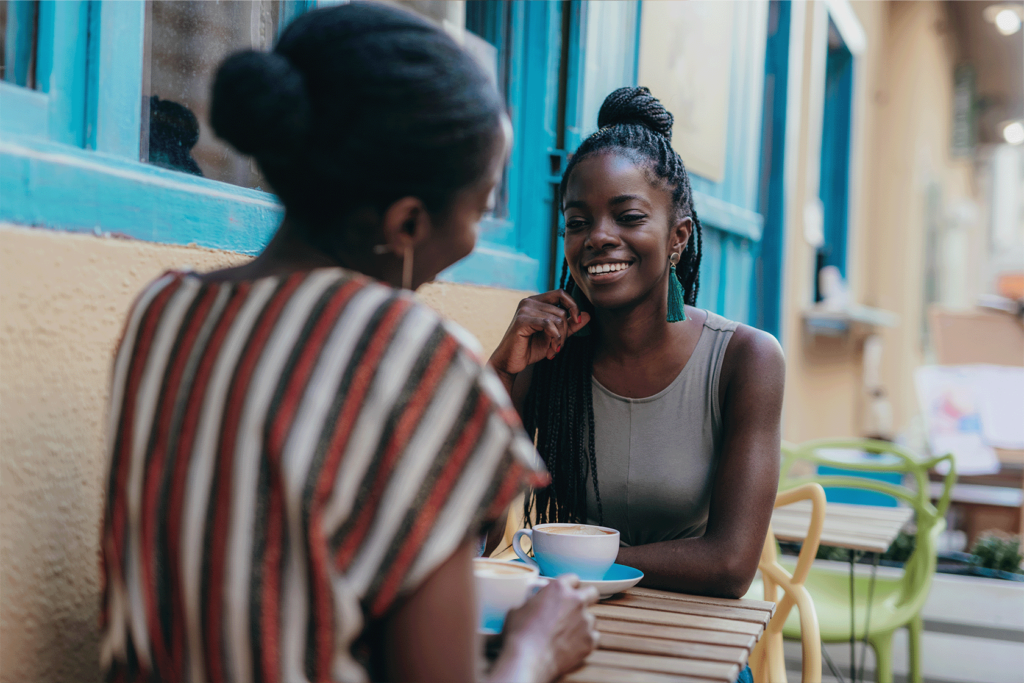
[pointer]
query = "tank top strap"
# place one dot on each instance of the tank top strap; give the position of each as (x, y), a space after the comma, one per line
(710, 353)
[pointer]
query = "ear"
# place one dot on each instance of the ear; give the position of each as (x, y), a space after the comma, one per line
(406, 224)
(680, 234)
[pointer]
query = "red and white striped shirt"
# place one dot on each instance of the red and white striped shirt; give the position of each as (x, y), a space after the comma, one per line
(287, 456)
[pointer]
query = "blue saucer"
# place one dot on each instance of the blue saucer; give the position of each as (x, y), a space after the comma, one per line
(618, 578)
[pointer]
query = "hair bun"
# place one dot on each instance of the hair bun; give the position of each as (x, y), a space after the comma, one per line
(260, 104)
(635, 106)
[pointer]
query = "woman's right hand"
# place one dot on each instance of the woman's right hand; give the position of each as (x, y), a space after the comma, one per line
(539, 329)
(553, 632)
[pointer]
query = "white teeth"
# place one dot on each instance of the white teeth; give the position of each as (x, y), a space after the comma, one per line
(607, 268)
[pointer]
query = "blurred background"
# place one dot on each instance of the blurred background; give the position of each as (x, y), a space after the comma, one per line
(858, 167)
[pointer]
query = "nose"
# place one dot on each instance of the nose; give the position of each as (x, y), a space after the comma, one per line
(603, 235)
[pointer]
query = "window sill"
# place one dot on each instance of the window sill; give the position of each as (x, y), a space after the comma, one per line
(62, 187)
(853, 319)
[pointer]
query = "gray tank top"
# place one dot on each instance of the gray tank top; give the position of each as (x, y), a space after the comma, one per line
(656, 456)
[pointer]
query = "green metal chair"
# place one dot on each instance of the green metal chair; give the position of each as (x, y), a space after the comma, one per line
(896, 602)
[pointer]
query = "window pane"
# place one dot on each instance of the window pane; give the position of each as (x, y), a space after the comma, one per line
(185, 43)
(19, 26)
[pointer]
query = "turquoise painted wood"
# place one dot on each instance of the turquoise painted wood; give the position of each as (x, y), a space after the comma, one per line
(728, 209)
(114, 118)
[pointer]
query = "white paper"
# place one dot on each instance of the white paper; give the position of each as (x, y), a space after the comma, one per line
(949, 400)
(1000, 391)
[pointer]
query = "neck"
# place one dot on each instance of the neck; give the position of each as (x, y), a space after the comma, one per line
(291, 251)
(636, 332)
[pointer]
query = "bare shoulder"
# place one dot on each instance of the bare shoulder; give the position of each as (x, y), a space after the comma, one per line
(754, 357)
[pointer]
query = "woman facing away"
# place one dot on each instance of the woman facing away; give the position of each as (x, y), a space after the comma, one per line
(654, 417)
(301, 455)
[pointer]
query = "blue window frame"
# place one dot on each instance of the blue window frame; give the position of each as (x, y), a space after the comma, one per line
(767, 281)
(834, 183)
(70, 147)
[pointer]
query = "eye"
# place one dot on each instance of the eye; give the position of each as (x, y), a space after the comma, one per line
(632, 217)
(574, 223)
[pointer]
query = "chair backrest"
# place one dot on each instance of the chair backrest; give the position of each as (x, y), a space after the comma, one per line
(930, 519)
(768, 660)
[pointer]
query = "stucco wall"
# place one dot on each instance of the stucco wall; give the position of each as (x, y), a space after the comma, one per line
(901, 137)
(62, 302)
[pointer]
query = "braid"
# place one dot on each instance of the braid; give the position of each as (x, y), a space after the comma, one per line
(560, 403)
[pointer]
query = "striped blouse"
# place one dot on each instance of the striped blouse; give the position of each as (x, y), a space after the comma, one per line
(287, 457)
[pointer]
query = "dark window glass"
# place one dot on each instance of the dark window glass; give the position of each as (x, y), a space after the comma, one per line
(19, 27)
(185, 43)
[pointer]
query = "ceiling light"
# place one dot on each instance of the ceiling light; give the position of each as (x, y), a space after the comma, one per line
(1013, 132)
(1007, 22)
(1006, 17)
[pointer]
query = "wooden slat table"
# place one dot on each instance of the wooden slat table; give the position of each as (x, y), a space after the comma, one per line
(652, 636)
(858, 527)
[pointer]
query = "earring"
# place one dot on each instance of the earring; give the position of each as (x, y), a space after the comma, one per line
(582, 302)
(407, 268)
(382, 249)
(676, 305)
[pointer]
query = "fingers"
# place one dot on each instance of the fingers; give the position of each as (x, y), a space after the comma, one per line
(589, 595)
(569, 580)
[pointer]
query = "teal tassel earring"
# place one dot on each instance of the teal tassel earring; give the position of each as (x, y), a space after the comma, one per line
(676, 305)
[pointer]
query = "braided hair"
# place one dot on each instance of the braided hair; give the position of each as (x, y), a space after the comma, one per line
(560, 405)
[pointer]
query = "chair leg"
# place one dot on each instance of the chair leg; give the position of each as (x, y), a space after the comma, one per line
(914, 628)
(881, 643)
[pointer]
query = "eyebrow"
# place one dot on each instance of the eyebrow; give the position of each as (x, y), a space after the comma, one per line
(614, 201)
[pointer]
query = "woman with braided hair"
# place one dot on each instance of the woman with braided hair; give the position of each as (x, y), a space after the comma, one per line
(653, 417)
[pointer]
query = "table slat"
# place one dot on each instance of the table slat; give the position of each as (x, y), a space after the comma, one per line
(674, 619)
(672, 648)
(689, 635)
(685, 607)
(604, 674)
(743, 603)
(716, 671)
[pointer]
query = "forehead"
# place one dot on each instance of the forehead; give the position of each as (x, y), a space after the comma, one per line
(613, 173)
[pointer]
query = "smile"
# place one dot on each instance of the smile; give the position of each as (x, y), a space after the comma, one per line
(607, 268)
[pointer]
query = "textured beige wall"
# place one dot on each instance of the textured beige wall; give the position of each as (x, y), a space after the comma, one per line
(62, 302)
(902, 118)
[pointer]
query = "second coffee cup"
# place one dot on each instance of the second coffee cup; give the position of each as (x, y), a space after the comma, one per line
(582, 549)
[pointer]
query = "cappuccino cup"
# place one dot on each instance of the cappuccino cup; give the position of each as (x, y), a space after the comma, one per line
(583, 549)
(500, 587)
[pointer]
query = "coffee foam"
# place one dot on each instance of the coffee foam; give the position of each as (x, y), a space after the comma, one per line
(500, 569)
(576, 530)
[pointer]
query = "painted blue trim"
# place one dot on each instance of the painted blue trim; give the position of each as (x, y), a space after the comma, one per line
(721, 215)
(65, 188)
(493, 266)
(62, 187)
(766, 292)
(24, 111)
(67, 76)
(115, 84)
(18, 40)
(834, 185)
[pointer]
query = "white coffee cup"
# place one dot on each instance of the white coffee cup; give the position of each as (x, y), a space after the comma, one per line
(586, 550)
(500, 587)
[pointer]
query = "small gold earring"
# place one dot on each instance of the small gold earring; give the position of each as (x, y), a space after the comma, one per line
(673, 260)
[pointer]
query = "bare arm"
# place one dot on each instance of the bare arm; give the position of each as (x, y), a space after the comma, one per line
(432, 636)
(723, 561)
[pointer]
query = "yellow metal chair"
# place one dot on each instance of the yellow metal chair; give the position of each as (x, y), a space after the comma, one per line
(767, 660)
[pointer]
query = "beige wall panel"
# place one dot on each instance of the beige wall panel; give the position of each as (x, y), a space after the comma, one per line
(62, 302)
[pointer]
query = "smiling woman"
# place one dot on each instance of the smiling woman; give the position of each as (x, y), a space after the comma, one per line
(663, 421)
